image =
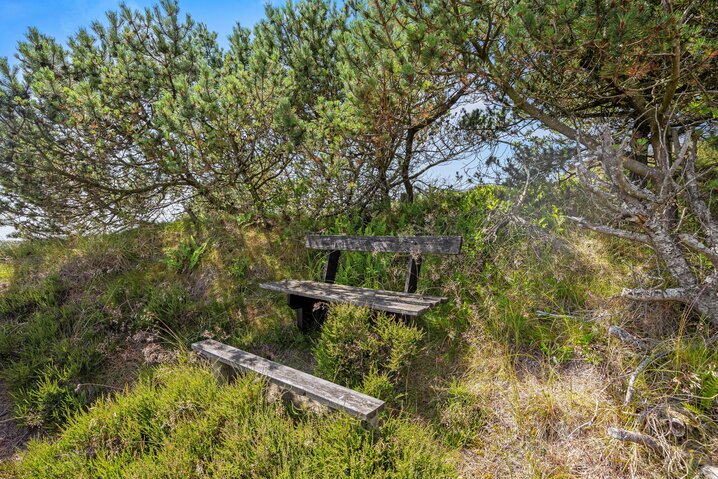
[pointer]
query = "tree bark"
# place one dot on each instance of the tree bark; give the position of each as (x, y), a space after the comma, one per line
(406, 166)
(647, 214)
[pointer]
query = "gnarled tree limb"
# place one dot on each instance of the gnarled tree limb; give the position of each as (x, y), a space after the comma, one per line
(669, 294)
(625, 234)
(637, 437)
(699, 247)
(630, 339)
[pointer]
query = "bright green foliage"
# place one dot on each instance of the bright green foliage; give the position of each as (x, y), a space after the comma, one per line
(45, 349)
(186, 256)
(571, 65)
(69, 311)
(161, 428)
(317, 121)
(353, 344)
(692, 368)
(27, 298)
(102, 290)
(317, 110)
(305, 37)
(379, 385)
(398, 94)
(518, 294)
(624, 47)
(708, 392)
(49, 402)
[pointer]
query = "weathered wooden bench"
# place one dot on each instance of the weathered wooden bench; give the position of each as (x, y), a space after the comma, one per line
(307, 297)
(324, 392)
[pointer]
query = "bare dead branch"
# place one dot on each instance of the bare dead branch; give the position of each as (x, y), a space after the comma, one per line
(614, 165)
(608, 230)
(630, 339)
(636, 437)
(709, 472)
(699, 247)
(668, 294)
(641, 367)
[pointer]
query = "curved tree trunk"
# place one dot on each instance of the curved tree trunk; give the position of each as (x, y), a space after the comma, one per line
(406, 166)
(651, 212)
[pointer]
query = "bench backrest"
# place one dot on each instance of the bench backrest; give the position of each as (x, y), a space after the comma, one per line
(387, 244)
(413, 245)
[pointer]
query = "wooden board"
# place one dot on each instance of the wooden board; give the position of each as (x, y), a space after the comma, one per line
(387, 244)
(390, 301)
(332, 395)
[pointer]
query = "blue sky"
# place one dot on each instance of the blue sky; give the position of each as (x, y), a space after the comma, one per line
(62, 19)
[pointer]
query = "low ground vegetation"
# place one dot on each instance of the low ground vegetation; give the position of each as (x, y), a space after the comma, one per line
(179, 421)
(516, 376)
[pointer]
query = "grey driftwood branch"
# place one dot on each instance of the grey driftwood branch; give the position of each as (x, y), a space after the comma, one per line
(642, 366)
(630, 339)
(653, 210)
(635, 437)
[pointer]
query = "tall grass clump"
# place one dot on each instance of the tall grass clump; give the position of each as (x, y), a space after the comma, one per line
(180, 422)
(44, 353)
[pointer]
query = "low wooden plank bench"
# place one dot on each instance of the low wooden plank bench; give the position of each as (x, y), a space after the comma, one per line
(298, 382)
(306, 297)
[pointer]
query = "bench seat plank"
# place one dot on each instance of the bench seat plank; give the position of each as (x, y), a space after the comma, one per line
(390, 301)
(387, 244)
(332, 395)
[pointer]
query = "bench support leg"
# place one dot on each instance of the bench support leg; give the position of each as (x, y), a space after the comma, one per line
(412, 274)
(222, 372)
(310, 312)
(373, 423)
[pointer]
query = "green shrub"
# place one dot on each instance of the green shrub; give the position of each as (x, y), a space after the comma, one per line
(43, 357)
(179, 422)
(186, 256)
(378, 385)
(167, 307)
(342, 353)
(353, 345)
(65, 337)
(239, 267)
(398, 343)
(19, 300)
(49, 402)
(238, 270)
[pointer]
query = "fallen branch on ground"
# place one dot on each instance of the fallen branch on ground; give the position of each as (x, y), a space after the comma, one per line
(586, 424)
(643, 365)
(637, 437)
(555, 315)
(630, 339)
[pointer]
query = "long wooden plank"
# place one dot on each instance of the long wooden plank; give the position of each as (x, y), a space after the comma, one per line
(389, 301)
(310, 287)
(387, 244)
(330, 394)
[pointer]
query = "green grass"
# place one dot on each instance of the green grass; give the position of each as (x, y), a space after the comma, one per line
(6, 272)
(180, 422)
(68, 307)
(520, 346)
